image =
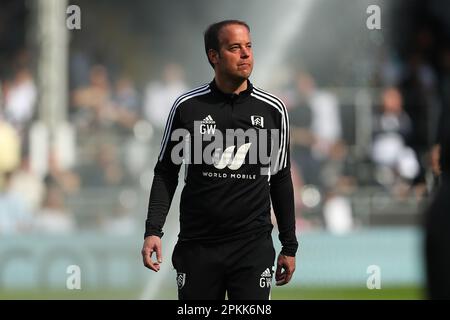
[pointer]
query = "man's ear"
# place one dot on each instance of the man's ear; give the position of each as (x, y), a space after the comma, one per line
(213, 56)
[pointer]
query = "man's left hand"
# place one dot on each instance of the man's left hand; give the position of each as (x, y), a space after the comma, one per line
(285, 269)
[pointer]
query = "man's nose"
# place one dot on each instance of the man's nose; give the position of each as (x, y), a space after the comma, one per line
(245, 52)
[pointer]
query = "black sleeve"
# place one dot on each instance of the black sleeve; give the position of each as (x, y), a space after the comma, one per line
(165, 180)
(282, 195)
(443, 138)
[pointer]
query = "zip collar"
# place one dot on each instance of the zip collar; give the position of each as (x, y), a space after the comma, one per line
(232, 97)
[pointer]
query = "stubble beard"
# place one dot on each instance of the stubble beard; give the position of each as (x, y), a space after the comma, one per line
(239, 77)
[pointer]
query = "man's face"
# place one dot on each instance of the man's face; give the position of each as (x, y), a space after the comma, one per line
(235, 58)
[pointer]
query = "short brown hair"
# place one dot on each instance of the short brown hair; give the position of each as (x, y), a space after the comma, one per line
(211, 35)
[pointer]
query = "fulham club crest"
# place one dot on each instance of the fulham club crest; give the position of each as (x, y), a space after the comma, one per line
(181, 278)
(257, 121)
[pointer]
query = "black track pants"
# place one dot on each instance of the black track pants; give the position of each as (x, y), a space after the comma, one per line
(242, 269)
(437, 244)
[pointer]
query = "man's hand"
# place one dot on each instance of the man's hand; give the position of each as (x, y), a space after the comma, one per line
(152, 244)
(285, 269)
(435, 154)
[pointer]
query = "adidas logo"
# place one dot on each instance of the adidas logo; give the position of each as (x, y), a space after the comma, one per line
(208, 120)
(266, 279)
(208, 125)
(266, 273)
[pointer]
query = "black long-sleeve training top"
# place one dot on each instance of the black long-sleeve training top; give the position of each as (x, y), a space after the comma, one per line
(226, 141)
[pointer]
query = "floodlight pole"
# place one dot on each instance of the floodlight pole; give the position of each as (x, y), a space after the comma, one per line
(53, 50)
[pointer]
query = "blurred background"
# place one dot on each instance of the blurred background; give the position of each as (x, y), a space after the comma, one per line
(82, 110)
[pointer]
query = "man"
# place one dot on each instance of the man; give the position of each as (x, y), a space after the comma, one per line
(225, 244)
(437, 217)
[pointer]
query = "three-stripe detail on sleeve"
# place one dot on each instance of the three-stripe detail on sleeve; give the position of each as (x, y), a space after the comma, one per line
(168, 129)
(284, 139)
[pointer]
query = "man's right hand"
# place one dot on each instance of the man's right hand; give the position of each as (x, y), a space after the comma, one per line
(152, 244)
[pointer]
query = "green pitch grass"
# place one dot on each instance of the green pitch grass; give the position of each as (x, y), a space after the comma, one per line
(278, 293)
(348, 293)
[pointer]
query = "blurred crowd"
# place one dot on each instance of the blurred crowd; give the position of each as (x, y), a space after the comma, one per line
(117, 128)
(411, 96)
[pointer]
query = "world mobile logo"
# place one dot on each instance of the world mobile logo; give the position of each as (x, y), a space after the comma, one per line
(230, 150)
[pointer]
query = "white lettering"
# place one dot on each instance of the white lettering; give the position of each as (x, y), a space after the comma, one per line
(374, 20)
(374, 280)
(74, 280)
(73, 21)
